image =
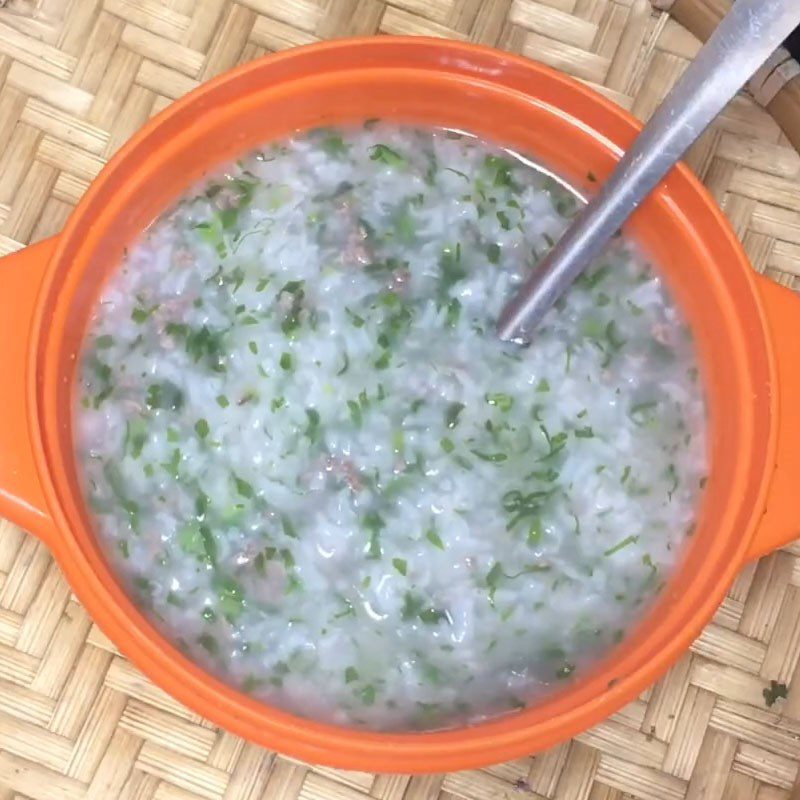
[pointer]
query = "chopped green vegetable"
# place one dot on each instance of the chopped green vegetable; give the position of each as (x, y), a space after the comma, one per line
(230, 596)
(209, 644)
(368, 695)
(385, 154)
(556, 442)
(493, 578)
(615, 341)
(198, 540)
(350, 675)
(251, 684)
(565, 204)
(164, 395)
(201, 428)
(453, 312)
(505, 222)
(288, 527)
(174, 600)
(313, 430)
(244, 488)
(415, 607)
(628, 540)
(504, 402)
(292, 321)
(592, 277)
(452, 414)
(500, 170)
(535, 532)
(565, 671)
(494, 458)
(136, 437)
(374, 524)
(451, 270)
(140, 314)
(173, 465)
(206, 346)
(643, 413)
(335, 146)
(355, 413)
(355, 319)
(433, 537)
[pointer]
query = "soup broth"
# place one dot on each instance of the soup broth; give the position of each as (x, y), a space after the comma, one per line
(320, 473)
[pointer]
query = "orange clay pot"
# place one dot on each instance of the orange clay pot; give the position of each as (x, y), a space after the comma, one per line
(747, 331)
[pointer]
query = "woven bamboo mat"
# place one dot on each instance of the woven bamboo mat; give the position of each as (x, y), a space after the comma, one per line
(78, 77)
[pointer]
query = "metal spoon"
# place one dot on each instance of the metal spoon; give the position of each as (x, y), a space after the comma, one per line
(744, 40)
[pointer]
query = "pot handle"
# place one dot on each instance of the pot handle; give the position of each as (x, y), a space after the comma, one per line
(781, 521)
(21, 497)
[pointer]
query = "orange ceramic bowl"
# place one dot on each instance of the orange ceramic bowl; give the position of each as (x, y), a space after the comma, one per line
(747, 331)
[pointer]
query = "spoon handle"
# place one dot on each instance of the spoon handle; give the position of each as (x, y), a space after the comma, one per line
(745, 38)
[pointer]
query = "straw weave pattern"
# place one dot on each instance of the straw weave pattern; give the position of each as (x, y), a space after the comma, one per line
(77, 721)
